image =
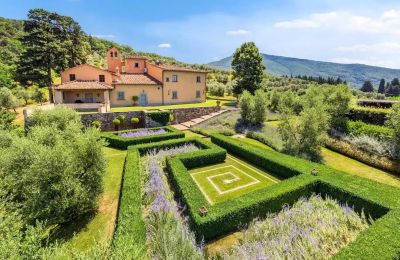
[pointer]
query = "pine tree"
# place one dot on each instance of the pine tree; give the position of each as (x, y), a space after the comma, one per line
(248, 68)
(53, 43)
(381, 88)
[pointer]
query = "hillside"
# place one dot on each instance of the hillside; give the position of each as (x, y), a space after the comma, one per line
(354, 74)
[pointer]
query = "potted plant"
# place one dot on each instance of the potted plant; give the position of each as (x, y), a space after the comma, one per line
(116, 123)
(122, 119)
(135, 100)
(134, 121)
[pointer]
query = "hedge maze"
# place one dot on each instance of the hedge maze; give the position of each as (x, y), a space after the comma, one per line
(227, 184)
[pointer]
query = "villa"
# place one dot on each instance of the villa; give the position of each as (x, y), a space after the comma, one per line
(127, 81)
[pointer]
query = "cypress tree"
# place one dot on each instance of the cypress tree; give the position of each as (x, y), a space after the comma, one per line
(381, 88)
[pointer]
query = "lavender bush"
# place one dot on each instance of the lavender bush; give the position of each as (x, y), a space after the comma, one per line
(143, 132)
(313, 228)
(167, 232)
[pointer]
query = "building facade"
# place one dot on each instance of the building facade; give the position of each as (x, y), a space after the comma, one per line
(127, 81)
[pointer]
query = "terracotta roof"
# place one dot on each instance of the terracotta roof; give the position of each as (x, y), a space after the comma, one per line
(135, 56)
(136, 79)
(76, 85)
(177, 68)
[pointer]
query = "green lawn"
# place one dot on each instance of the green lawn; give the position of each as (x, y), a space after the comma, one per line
(208, 103)
(253, 142)
(189, 134)
(230, 179)
(101, 226)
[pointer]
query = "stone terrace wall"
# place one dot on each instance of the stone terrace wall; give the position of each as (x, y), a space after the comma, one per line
(107, 118)
(180, 115)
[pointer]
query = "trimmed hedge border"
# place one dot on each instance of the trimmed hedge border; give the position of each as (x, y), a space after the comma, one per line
(378, 200)
(161, 117)
(129, 239)
(376, 116)
(361, 128)
(120, 142)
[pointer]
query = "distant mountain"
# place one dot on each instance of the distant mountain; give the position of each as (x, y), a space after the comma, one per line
(354, 74)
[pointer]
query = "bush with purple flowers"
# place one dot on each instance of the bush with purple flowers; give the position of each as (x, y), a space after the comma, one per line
(167, 231)
(313, 228)
(144, 132)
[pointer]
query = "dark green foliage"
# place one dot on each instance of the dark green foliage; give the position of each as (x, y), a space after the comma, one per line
(381, 88)
(247, 68)
(161, 117)
(367, 86)
(116, 141)
(130, 234)
(394, 122)
(60, 117)
(263, 139)
(6, 119)
(361, 128)
(53, 43)
(368, 115)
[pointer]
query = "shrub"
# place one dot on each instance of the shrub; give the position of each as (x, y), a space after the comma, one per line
(135, 100)
(376, 116)
(363, 156)
(60, 117)
(135, 120)
(161, 117)
(394, 122)
(116, 122)
(371, 145)
(216, 88)
(115, 140)
(360, 128)
(246, 103)
(96, 123)
(122, 118)
(6, 119)
(53, 175)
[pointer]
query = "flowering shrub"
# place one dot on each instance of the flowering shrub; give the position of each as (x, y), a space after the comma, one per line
(144, 132)
(167, 231)
(313, 228)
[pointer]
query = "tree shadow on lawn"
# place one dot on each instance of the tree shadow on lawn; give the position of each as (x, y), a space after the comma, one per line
(66, 231)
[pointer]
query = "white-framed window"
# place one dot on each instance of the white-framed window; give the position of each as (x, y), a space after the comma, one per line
(198, 79)
(102, 78)
(121, 95)
(174, 94)
(174, 78)
(198, 94)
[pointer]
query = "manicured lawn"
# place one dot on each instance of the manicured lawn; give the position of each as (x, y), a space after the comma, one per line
(252, 142)
(231, 179)
(208, 103)
(346, 164)
(189, 134)
(101, 226)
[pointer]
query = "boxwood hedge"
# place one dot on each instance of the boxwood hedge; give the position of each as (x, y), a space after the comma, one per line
(360, 128)
(120, 142)
(161, 117)
(379, 201)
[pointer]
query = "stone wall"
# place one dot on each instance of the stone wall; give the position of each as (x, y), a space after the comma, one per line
(107, 118)
(180, 115)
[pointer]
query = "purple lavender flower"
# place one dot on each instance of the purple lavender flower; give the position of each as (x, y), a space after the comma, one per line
(143, 132)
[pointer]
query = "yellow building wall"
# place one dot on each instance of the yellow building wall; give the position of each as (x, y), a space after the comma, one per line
(186, 87)
(154, 94)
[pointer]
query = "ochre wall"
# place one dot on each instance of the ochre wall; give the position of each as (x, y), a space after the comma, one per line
(130, 65)
(154, 71)
(154, 94)
(186, 87)
(86, 72)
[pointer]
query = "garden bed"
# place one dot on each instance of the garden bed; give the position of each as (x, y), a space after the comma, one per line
(123, 139)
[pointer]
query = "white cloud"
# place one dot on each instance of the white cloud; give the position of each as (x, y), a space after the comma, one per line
(381, 47)
(238, 32)
(104, 36)
(296, 24)
(164, 45)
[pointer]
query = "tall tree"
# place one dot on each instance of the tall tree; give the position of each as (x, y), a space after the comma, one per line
(367, 86)
(395, 82)
(381, 88)
(53, 43)
(247, 68)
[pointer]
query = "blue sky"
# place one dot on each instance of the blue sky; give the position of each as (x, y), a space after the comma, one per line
(354, 31)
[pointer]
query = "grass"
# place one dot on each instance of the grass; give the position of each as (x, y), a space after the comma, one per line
(208, 103)
(190, 134)
(231, 179)
(252, 142)
(101, 226)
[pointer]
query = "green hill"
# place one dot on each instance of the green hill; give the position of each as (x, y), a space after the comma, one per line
(354, 74)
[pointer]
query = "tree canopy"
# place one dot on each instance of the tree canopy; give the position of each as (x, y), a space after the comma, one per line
(248, 68)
